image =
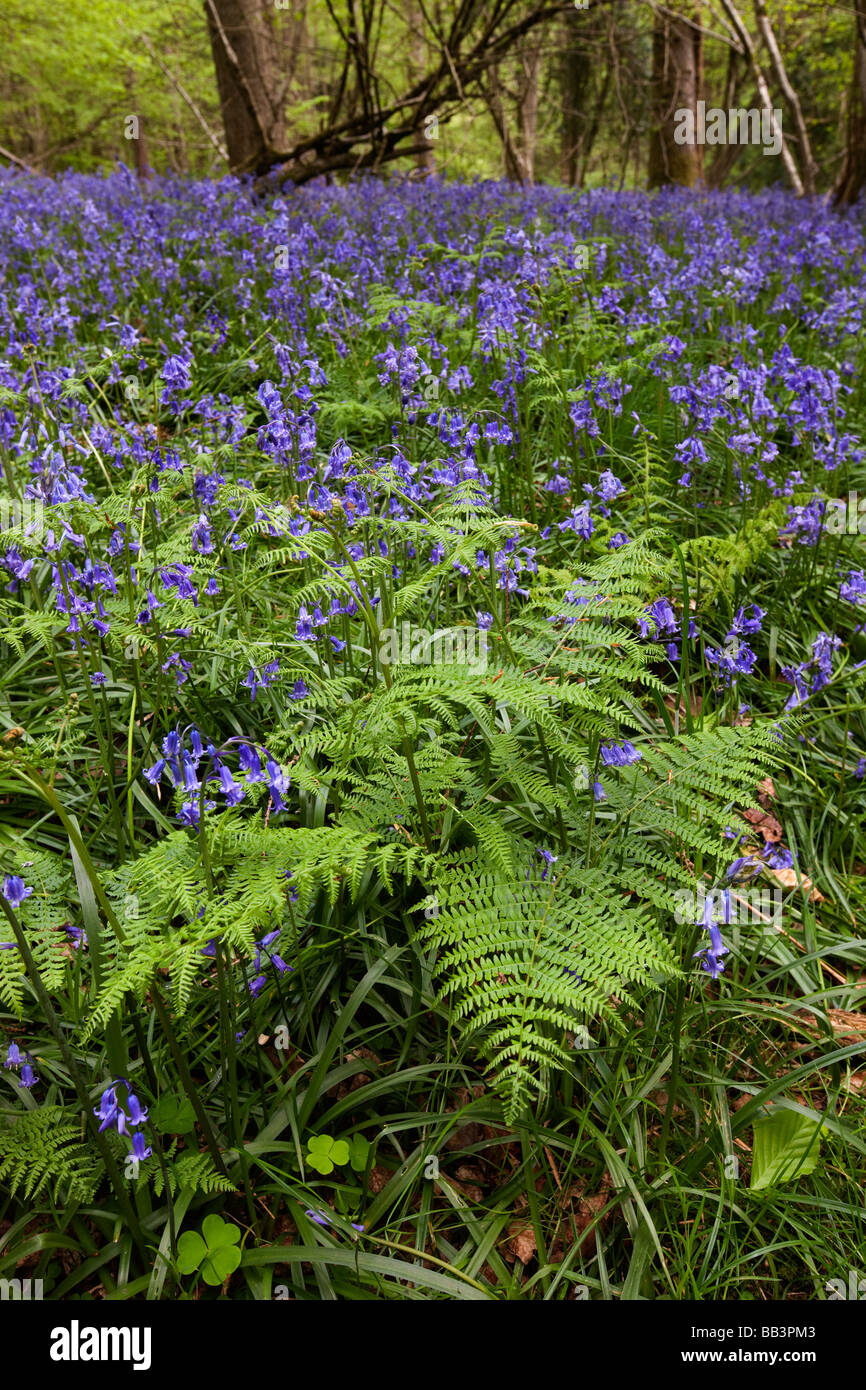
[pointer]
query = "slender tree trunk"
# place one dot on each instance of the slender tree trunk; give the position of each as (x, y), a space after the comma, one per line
(745, 41)
(780, 73)
(496, 106)
(599, 105)
(139, 143)
(529, 59)
(425, 159)
(246, 53)
(676, 86)
(576, 85)
(852, 178)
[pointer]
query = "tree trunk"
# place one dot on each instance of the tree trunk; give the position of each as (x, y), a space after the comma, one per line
(744, 40)
(852, 178)
(142, 161)
(425, 159)
(780, 72)
(518, 153)
(496, 107)
(246, 50)
(529, 59)
(576, 84)
(676, 86)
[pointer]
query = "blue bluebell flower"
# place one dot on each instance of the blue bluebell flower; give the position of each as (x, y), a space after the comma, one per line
(15, 890)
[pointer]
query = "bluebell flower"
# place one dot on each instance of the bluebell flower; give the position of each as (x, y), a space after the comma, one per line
(107, 1111)
(711, 955)
(549, 860)
(28, 1075)
(742, 866)
(777, 856)
(854, 587)
(616, 755)
(112, 1115)
(15, 890)
(278, 782)
(140, 1150)
(190, 814)
(250, 763)
(304, 628)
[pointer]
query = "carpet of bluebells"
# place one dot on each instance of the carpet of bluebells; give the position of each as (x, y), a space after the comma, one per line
(242, 439)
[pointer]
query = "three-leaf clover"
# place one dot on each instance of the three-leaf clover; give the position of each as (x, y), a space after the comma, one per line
(324, 1153)
(215, 1250)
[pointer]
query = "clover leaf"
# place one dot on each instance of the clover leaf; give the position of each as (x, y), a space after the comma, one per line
(359, 1150)
(323, 1153)
(215, 1250)
(173, 1115)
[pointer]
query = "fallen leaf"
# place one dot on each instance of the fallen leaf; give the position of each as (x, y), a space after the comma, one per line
(844, 1023)
(766, 792)
(788, 879)
(521, 1243)
(766, 824)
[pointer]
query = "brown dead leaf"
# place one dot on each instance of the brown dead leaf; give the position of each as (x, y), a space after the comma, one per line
(766, 792)
(379, 1178)
(844, 1023)
(520, 1244)
(468, 1172)
(788, 879)
(696, 703)
(768, 826)
(583, 1210)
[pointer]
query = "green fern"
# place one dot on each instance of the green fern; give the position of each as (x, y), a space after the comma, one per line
(42, 1151)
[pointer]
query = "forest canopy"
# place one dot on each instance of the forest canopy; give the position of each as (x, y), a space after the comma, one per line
(538, 90)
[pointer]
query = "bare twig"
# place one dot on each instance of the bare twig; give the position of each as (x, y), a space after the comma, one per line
(14, 159)
(185, 96)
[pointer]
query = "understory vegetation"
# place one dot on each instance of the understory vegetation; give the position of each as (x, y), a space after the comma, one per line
(433, 741)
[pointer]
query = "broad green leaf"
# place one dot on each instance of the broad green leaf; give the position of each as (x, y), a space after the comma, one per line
(191, 1250)
(221, 1262)
(786, 1148)
(219, 1233)
(173, 1115)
